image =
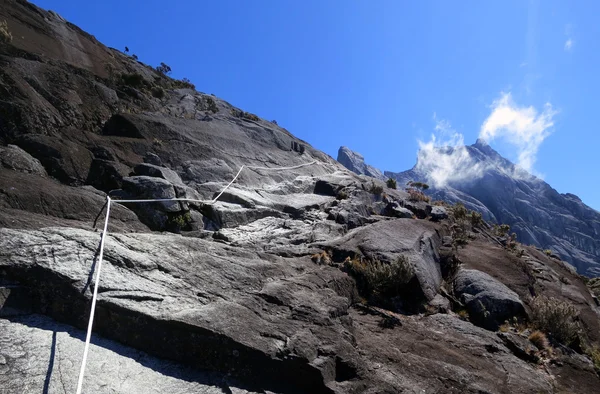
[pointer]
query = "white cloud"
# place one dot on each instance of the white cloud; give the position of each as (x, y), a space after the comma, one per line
(523, 127)
(444, 158)
(568, 44)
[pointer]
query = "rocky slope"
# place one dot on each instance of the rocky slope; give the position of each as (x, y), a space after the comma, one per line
(312, 279)
(537, 213)
(355, 162)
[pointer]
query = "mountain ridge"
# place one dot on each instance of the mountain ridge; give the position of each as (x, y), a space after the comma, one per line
(480, 180)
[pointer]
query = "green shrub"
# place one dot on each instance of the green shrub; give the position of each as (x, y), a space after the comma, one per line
(391, 183)
(342, 195)
(158, 92)
(211, 105)
(459, 212)
(249, 116)
(163, 69)
(418, 185)
(594, 353)
(379, 278)
(135, 80)
(178, 221)
(5, 35)
(376, 189)
(417, 195)
(555, 317)
(476, 219)
(548, 252)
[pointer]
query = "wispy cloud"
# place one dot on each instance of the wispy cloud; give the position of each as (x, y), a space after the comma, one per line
(444, 158)
(523, 127)
(569, 33)
(568, 44)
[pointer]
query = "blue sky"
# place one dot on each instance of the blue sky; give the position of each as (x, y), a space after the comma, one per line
(380, 76)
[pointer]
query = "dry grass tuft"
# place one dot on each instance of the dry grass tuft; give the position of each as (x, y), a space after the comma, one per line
(539, 339)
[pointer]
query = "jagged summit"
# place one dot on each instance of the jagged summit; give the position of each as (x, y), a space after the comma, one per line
(356, 163)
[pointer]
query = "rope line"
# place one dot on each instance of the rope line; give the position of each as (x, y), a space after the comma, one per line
(94, 297)
(105, 232)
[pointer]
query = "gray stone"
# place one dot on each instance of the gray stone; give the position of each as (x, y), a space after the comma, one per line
(15, 158)
(152, 158)
(395, 210)
(157, 171)
(438, 213)
(488, 301)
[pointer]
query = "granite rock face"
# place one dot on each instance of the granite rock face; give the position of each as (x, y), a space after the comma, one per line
(254, 294)
(355, 162)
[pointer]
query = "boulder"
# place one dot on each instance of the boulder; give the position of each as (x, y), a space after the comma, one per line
(438, 213)
(106, 175)
(15, 158)
(386, 241)
(394, 209)
(488, 301)
(152, 158)
(147, 187)
(158, 172)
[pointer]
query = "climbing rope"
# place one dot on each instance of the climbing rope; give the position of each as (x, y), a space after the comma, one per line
(105, 232)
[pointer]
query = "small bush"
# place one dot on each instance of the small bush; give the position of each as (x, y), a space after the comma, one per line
(539, 339)
(157, 142)
(249, 116)
(211, 105)
(342, 195)
(417, 195)
(163, 69)
(594, 353)
(134, 57)
(502, 230)
(459, 212)
(418, 185)
(376, 189)
(274, 122)
(476, 219)
(5, 35)
(158, 92)
(391, 183)
(178, 222)
(548, 252)
(555, 317)
(135, 80)
(379, 278)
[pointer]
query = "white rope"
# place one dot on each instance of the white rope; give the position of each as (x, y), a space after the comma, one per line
(101, 254)
(94, 297)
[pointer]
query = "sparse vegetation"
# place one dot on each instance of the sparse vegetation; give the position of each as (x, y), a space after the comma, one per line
(211, 105)
(158, 92)
(178, 221)
(548, 252)
(376, 189)
(417, 195)
(418, 185)
(594, 353)
(321, 258)
(274, 122)
(135, 80)
(501, 230)
(539, 339)
(391, 183)
(342, 195)
(134, 57)
(163, 69)
(157, 142)
(249, 116)
(378, 278)
(5, 35)
(476, 219)
(555, 317)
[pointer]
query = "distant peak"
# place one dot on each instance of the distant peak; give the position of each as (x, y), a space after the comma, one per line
(481, 142)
